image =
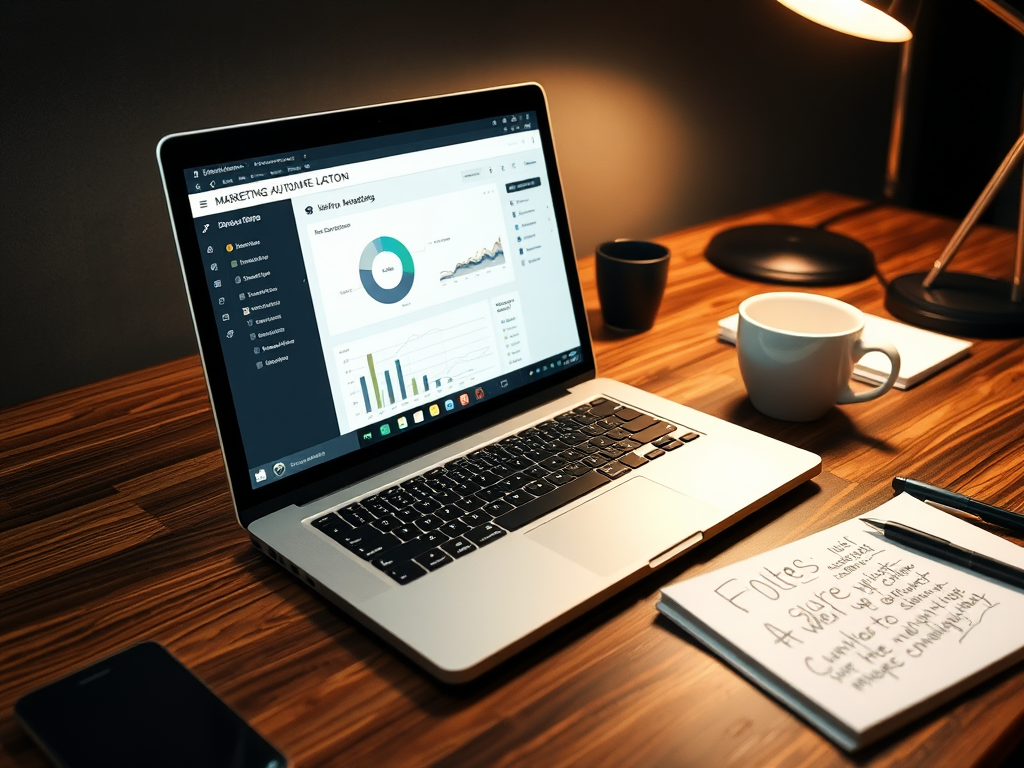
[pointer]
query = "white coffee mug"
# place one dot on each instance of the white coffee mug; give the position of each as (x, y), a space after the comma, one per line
(797, 352)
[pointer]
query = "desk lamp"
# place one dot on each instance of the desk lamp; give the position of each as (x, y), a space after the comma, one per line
(781, 253)
(950, 302)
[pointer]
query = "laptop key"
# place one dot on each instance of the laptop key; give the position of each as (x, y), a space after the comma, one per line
(614, 469)
(616, 434)
(504, 470)
(475, 519)
(689, 436)
(612, 452)
(428, 523)
(537, 454)
(333, 526)
(597, 460)
(539, 487)
(485, 534)
(654, 454)
(467, 488)
(575, 469)
(407, 532)
(571, 454)
(425, 506)
(535, 472)
(654, 433)
(513, 482)
(449, 513)
(606, 408)
(373, 546)
(377, 505)
(458, 547)
(419, 490)
(641, 422)
(671, 445)
(559, 478)
(485, 479)
(493, 493)
(454, 528)
(407, 515)
(632, 460)
(628, 445)
(553, 462)
(495, 508)
(472, 503)
(402, 499)
(542, 505)
(388, 523)
(433, 559)
(625, 413)
(518, 498)
(356, 515)
(405, 572)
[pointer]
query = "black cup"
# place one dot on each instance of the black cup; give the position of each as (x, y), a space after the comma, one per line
(631, 277)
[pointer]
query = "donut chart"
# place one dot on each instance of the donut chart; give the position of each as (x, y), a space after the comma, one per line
(382, 293)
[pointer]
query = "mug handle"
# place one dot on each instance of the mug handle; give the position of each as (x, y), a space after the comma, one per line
(860, 349)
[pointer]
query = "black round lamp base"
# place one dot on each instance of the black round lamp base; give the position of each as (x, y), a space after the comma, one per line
(779, 253)
(958, 303)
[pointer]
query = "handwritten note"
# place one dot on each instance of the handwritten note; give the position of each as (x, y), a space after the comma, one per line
(857, 633)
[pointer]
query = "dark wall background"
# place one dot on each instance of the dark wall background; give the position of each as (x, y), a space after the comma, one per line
(666, 114)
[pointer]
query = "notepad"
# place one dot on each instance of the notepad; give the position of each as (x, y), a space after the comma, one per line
(922, 353)
(855, 634)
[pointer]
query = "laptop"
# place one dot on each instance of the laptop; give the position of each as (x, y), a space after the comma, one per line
(397, 354)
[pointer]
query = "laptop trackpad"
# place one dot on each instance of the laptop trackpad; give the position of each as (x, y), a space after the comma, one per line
(627, 526)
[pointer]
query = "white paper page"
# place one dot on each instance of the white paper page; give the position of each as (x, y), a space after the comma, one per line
(922, 353)
(862, 627)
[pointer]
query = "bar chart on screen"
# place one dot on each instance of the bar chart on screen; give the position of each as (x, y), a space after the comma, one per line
(395, 369)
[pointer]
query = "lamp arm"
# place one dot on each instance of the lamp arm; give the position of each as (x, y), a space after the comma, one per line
(1016, 20)
(993, 186)
(1011, 16)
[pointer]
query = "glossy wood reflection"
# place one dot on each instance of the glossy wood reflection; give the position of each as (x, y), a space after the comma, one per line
(116, 526)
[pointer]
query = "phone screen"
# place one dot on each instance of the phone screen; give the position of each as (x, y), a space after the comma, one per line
(140, 707)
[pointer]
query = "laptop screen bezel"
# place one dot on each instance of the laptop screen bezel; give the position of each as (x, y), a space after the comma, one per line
(178, 152)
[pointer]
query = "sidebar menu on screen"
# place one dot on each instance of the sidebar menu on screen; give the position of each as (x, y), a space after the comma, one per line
(264, 315)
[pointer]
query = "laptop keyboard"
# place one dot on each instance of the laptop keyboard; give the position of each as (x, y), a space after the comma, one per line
(423, 523)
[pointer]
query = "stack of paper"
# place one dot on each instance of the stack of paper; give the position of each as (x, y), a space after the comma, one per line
(922, 353)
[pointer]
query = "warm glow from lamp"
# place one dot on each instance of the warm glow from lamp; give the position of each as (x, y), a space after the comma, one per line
(854, 17)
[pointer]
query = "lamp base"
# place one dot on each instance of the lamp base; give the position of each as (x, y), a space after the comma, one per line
(958, 303)
(780, 253)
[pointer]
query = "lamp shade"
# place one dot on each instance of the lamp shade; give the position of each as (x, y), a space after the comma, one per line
(886, 21)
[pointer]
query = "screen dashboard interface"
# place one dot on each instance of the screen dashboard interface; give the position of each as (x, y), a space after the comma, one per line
(367, 289)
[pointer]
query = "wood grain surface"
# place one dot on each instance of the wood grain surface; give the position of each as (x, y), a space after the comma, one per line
(116, 527)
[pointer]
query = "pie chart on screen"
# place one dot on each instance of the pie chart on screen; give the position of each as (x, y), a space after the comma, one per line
(386, 270)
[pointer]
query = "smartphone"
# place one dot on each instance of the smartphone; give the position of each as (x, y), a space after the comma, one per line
(140, 707)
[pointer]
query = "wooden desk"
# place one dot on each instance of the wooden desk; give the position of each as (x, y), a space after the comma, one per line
(116, 527)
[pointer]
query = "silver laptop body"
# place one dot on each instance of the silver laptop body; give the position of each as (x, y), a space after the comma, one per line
(397, 354)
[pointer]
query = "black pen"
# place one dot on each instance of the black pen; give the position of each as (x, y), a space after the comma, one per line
(941, 549)
(997, 515)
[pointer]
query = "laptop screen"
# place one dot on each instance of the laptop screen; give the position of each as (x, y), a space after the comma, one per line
(367, 289)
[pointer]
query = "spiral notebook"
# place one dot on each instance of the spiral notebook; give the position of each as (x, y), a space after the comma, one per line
(857, 635)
